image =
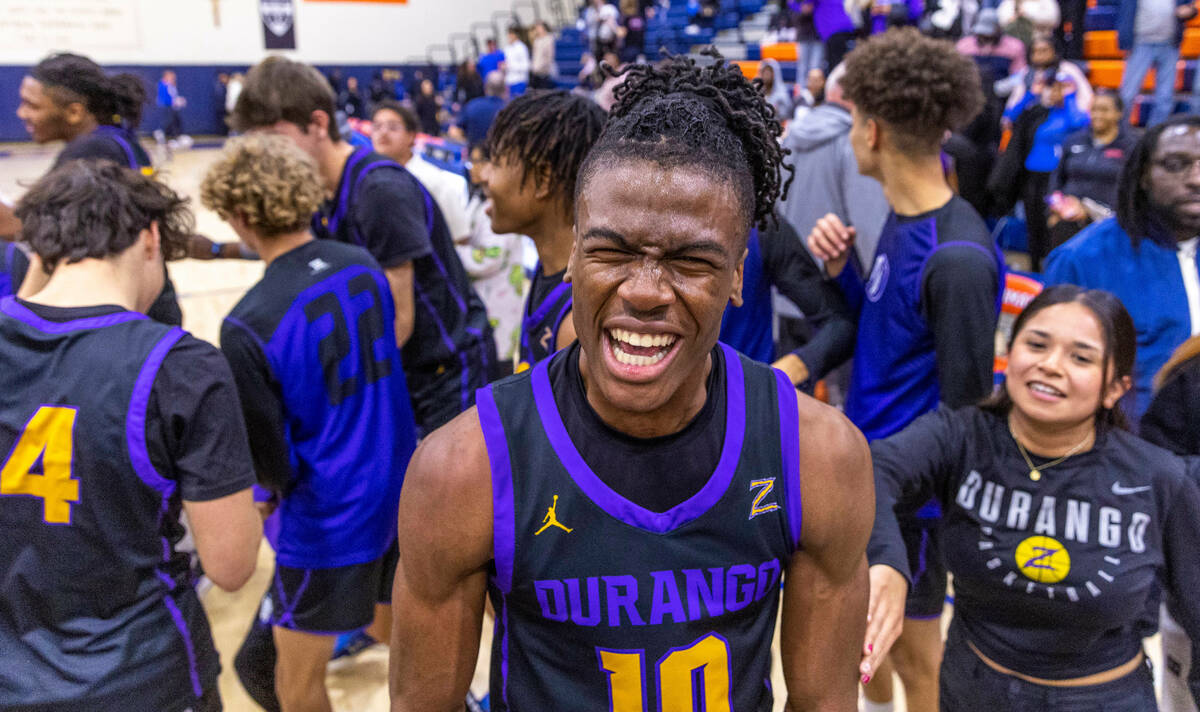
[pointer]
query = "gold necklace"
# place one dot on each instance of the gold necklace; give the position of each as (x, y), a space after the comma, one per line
(1035, 473)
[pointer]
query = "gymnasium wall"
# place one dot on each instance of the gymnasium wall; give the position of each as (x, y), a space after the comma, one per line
(198, 38)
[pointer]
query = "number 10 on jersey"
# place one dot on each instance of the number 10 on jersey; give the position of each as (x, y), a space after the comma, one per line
(697, 672)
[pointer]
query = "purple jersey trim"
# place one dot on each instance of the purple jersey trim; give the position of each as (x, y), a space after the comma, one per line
(11, 307)
(188, 646)
(339, 212)
(789, 447)
(616, 505)
(504, 525)
(535, 317)
(135, 419)
(114, 133)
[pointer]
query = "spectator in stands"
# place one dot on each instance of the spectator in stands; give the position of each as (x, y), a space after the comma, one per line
(632, 31)
(702, 13)
(478, 114)
(468, 83)
(1070, 31)
(542, 69)
(1084, 188)
(1146, 255)
(490, 61)
(493, 262)
(600, 25)
(171, 106)
(231, 94)
(516, 62)
(220, 94)
(836, 30)
(1025, 86)
(1150, 32)
(773, 87)
(826, 179)
(1029, 19)
(942, 19)
(350, 100)
(428, 104)
(380, 89)
(810, 50)
(1000, 54)
(1048, 123)
(394, 133)
(811, 94)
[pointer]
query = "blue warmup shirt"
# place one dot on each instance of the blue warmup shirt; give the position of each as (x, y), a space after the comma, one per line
(748, 328)
(314, 355)
(926, 328)
(1049, 136)
(1146, 279)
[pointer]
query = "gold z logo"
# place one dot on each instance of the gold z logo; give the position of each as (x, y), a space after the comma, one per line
(764, 487)
(551, 520)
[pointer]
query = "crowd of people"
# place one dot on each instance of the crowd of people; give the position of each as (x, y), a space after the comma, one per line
(617, 455)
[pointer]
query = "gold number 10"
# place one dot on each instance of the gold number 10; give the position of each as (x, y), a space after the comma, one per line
(48, 435)
(626, 677)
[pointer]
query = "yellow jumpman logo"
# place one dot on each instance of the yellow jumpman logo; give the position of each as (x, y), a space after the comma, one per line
(551, 520)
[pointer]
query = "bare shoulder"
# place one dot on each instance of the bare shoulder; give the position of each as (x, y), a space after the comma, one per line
(449, 474)
(836, 483)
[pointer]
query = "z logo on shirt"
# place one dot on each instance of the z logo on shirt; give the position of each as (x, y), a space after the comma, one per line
(764, 488)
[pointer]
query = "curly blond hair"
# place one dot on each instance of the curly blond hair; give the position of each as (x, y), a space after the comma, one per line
(267, 182)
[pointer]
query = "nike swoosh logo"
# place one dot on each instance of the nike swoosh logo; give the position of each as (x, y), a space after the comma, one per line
(1117, 488)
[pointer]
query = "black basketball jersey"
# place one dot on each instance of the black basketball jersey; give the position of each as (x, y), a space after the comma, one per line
(97, 610)
(603, 605)
(546, 306)
(13, 266)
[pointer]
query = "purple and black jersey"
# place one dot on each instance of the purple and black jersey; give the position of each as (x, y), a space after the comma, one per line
(546, 307)
(614, 606)
(314, 355)
(108, 421)
(379, 206)
(13, 266)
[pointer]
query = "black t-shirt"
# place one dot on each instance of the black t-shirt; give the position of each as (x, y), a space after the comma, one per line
(546, 307)
(1056, 578)
(654, 473)
(108, 143)
(1088, 170)
(1173, 418)
(14, 264)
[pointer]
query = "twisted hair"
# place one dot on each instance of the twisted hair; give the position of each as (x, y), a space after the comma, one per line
(549, 133)
(114, 100)
(678, 113)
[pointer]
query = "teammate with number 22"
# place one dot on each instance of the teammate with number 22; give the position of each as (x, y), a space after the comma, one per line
(630, 504)
(314, 355)
(1060, 527)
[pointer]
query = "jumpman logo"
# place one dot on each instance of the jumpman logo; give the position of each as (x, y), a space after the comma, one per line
(551, 520)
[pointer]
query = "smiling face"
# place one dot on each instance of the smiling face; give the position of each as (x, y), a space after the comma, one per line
(1055, 374)
(517, 204)
(44, 118)
(1172, 180)
(658, 255)
(391, 136)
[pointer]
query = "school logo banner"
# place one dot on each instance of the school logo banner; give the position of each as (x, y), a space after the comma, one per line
(279, 23)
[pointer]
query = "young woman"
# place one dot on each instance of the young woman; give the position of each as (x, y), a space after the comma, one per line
(1059, 526)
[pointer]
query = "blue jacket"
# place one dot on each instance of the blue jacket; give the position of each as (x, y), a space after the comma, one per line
(1127, 16)
(1148, 282)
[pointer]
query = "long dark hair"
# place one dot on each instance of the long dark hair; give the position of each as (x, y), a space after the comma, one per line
(1120, 345)
(114, 100)
(1136, 216)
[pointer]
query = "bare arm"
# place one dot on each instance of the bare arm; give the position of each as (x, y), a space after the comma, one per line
(400, 278)
(441, 580)
(227, 531)
(826, 588)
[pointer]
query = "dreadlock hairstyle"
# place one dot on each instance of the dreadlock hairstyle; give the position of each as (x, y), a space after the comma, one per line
(1136, 215)
(678, 113)
(113, 100)
(549, 133)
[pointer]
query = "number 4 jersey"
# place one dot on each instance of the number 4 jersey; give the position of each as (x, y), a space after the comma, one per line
(604, 605)
(313, 352)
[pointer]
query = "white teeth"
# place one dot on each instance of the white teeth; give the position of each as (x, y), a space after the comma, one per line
(1042, 388)
(641, 340)
(635, 360)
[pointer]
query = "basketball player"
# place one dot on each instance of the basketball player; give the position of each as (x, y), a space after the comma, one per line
(537, 144)
(929, 305)
(318, 372)
(111, 425)
(67, 97)
(630, 503)
(440, 322)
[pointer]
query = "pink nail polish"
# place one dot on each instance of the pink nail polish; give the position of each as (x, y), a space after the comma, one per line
(866, 679)
(871, 647)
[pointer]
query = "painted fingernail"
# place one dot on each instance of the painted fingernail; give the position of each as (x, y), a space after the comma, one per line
(871, 647)
(866, 679)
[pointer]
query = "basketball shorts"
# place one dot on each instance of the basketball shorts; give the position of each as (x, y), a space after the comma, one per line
(325, 601)
(927, 595)
(387, 573)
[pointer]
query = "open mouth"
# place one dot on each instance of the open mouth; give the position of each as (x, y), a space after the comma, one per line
(639, 356)
(1045, 391)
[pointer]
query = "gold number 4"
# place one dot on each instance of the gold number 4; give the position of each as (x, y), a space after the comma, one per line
(49, 436)
(626, 682)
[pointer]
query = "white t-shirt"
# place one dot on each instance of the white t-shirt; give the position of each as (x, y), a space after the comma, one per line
(516, 63)
(448, 190)
(1186, 252)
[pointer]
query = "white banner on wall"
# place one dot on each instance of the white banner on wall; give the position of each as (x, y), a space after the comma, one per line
(79, 25)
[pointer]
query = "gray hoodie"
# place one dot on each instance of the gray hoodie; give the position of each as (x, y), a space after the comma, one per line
(827, 180)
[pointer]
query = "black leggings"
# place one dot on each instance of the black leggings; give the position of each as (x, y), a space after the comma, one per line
(1034, 196)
